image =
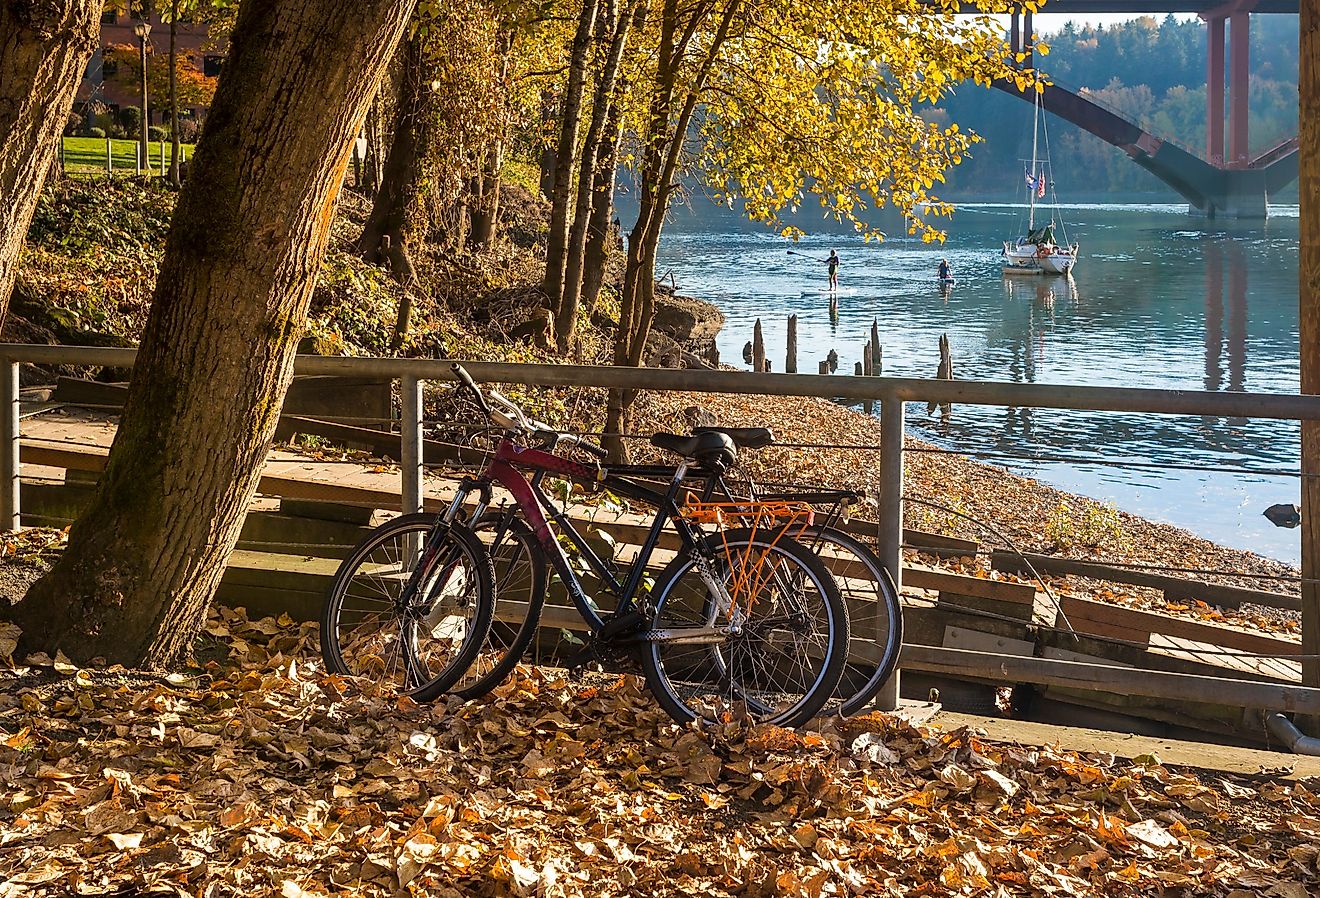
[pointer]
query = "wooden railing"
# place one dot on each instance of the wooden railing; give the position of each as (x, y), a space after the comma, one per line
(891, 393)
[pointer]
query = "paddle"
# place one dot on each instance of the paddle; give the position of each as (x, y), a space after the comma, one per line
(793, 252)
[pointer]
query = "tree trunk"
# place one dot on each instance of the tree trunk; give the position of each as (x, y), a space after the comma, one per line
(1308, 121)
(556, 243)
(174, 95)
(400, 186)
(245, 245)
(666, 130)
(44, 48)
(599, 229)
(616, 33)
(486, 199)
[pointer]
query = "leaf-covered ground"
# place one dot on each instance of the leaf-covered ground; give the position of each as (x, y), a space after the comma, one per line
(255, 774)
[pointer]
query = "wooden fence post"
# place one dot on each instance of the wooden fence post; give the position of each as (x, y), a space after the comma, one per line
(758, 348)
(9, 440)
(109, 157)
(410, 435)
(790, 361)
(889, 533)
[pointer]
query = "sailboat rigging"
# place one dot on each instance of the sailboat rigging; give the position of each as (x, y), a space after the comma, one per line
(1038, 252)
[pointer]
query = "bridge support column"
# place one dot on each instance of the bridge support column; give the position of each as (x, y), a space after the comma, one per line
(1214, 91)
(1239, 80)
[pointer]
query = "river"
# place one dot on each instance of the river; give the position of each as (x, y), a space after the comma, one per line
(1159, 299)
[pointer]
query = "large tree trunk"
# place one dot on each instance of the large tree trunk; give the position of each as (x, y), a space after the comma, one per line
(1308, 121)
(44, 48)
(245, 245)
(616, 33)
(556, 242)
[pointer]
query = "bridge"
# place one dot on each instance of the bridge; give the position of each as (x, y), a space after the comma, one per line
(1229, 181)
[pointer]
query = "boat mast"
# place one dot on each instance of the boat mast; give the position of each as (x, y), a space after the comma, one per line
(1035, 132)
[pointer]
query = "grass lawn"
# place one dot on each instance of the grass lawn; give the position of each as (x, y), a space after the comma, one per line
(88, 153)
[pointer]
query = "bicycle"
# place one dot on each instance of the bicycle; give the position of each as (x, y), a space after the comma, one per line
(740, 622)
(874, 611)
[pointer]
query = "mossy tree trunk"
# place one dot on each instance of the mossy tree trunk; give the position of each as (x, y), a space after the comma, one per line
(44, 48)
(595, 255)
(216, 357)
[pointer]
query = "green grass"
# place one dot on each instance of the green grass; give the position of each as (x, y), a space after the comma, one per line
(88, 154)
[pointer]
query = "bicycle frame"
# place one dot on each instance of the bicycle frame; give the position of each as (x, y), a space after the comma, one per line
(539, 512)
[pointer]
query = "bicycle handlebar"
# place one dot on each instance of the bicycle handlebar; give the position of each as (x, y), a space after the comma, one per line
(508, 415)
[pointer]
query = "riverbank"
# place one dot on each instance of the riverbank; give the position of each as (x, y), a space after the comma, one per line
(1034, 516)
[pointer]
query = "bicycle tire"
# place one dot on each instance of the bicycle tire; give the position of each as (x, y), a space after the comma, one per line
(362, 614)
(737, 675)
(521, 579)
(873, 608)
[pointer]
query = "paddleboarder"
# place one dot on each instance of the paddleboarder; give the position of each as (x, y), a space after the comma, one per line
(833, 262)
(946, 273)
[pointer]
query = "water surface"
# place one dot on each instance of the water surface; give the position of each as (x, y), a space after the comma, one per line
(1160, 299)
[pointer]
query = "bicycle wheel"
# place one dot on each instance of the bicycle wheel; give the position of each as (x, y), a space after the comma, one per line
(779, 664)
(413, 629)
(875, 618)
(520, 585)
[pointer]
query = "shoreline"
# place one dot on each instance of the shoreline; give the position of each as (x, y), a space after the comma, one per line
(1037, 517)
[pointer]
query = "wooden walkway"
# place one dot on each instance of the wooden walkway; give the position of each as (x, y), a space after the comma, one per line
(293, 539)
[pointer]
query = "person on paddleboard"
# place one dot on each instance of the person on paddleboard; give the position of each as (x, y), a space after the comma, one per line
(833, 262)
(946, 273)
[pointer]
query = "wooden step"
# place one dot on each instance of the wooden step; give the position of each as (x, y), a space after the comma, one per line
(1137, 625)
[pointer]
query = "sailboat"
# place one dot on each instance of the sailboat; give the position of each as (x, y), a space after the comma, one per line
(1038, 252)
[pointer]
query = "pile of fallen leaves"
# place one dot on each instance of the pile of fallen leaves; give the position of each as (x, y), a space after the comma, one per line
(257, 775)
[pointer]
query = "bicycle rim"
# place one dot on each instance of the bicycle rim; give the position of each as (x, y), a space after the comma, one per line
(421, 645)
(783, 665)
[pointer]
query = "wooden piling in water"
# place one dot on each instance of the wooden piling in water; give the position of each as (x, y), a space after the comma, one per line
(866, 359)
(824, 367)
(790, 360)
(758, 348)
(877, 368)
(944, 372)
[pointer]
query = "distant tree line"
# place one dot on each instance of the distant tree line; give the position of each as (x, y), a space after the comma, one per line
(1153, 72)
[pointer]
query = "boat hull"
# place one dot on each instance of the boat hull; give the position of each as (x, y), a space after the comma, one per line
(1032, 259)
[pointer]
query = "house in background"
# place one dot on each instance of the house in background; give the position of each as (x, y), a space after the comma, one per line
(113, 78)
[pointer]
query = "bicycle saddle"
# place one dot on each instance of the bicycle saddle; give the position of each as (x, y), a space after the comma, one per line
(743, 437)
(712, 450)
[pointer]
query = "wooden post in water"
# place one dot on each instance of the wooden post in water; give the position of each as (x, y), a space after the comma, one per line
(758, 348)
(876, 352)
(944, 372)
(790, 360)
(824, 367)
(1308, 136)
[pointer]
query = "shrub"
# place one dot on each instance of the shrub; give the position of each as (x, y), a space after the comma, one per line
(73, 125)
(155, 132)
(130, 119)
(96, 132)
